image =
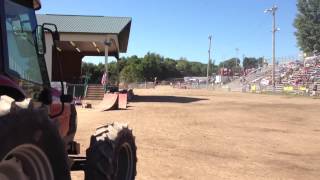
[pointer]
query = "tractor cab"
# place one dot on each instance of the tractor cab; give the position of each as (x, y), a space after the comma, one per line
(22, 66)
(23, 71)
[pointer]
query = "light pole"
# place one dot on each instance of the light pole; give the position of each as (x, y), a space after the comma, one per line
(273, 11)
(208, 66)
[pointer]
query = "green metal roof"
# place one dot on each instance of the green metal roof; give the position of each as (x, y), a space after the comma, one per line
(91, 24)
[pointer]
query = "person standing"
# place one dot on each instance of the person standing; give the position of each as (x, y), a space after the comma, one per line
(155, 82)
(314, 89)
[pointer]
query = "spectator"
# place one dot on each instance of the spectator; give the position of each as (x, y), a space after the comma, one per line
(314, 89)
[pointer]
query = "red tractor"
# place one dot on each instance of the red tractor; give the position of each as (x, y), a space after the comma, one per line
(38, 123)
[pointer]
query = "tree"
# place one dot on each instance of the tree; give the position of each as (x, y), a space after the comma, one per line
(151, 64)
(214, 68)
(94, 71)
(307, 23)
(131, 69)
(113, 72)
(169, 68)
(196, 69)
(183, 67)
(131, 73)
(251, 62)
(134, 68)
(230, 63)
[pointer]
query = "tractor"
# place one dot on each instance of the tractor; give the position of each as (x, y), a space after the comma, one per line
(38, 123)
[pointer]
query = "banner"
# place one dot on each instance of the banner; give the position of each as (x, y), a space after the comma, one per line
(288, 88)
(264, 82)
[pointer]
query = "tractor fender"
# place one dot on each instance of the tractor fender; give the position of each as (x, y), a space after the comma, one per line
(62, 121)
(10, 88)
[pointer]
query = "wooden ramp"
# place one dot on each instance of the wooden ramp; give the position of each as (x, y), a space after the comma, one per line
(122, 101)
(109, 102)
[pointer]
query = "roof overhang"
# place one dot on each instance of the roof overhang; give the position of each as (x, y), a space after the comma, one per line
(89, 44)
(87, 34)
(36, 4)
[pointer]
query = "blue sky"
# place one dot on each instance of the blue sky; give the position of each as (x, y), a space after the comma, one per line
(180, 28)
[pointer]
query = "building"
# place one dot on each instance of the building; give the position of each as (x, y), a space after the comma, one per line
(83, 36)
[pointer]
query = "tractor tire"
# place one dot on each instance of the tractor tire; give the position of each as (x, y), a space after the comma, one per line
(25, 128)
(112, 154)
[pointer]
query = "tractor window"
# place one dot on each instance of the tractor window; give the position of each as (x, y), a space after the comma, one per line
(21, 29)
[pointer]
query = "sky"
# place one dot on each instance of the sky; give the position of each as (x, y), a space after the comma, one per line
(180, 28)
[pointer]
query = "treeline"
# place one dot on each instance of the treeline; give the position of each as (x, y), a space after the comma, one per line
(248, 63)
(139, 69)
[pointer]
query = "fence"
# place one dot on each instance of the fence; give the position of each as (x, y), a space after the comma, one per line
(281, 89)
(141, 85)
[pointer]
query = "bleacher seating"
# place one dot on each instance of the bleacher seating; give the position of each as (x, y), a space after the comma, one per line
(298, 75)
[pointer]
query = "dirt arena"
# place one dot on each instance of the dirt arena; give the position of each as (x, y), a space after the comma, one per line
(199, 134)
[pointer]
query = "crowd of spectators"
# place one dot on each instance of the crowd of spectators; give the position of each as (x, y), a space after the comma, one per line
(299, 73)
(295, 75)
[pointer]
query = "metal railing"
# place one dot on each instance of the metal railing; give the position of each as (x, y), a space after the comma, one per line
(77, 90)
(141, 85)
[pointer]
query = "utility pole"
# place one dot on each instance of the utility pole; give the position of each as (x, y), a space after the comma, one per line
(237, 56)
(273, 11)
(213, 63)
(208, 66)
(242, 69)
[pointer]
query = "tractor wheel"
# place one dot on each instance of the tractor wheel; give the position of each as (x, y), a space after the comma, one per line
(31, 147)
(112, 154)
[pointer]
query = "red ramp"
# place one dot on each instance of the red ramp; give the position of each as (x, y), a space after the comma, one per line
(109, 101)
(122, 101)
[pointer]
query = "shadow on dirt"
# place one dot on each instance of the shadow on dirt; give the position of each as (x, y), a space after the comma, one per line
(166, 99)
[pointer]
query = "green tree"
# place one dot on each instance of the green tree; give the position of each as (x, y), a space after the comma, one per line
(113, 72)
(251, 62)
(184, 67)
(230, 63)
(131, 73)
(94, 71)
(151, 64)
(307, 23)
(169, 68)
(213, 68)
(196, 69)
(134, 68)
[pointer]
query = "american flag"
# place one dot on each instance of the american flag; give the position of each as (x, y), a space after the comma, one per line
(104, 79)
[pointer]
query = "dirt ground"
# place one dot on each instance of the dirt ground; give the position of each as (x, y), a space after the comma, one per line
(199, 134)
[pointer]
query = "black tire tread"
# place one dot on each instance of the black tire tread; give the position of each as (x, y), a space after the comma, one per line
(102, 153)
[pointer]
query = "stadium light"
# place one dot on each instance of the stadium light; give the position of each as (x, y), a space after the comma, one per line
(274, 30)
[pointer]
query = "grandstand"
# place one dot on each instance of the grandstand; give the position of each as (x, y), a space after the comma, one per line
(253, 76)
(294, 77)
